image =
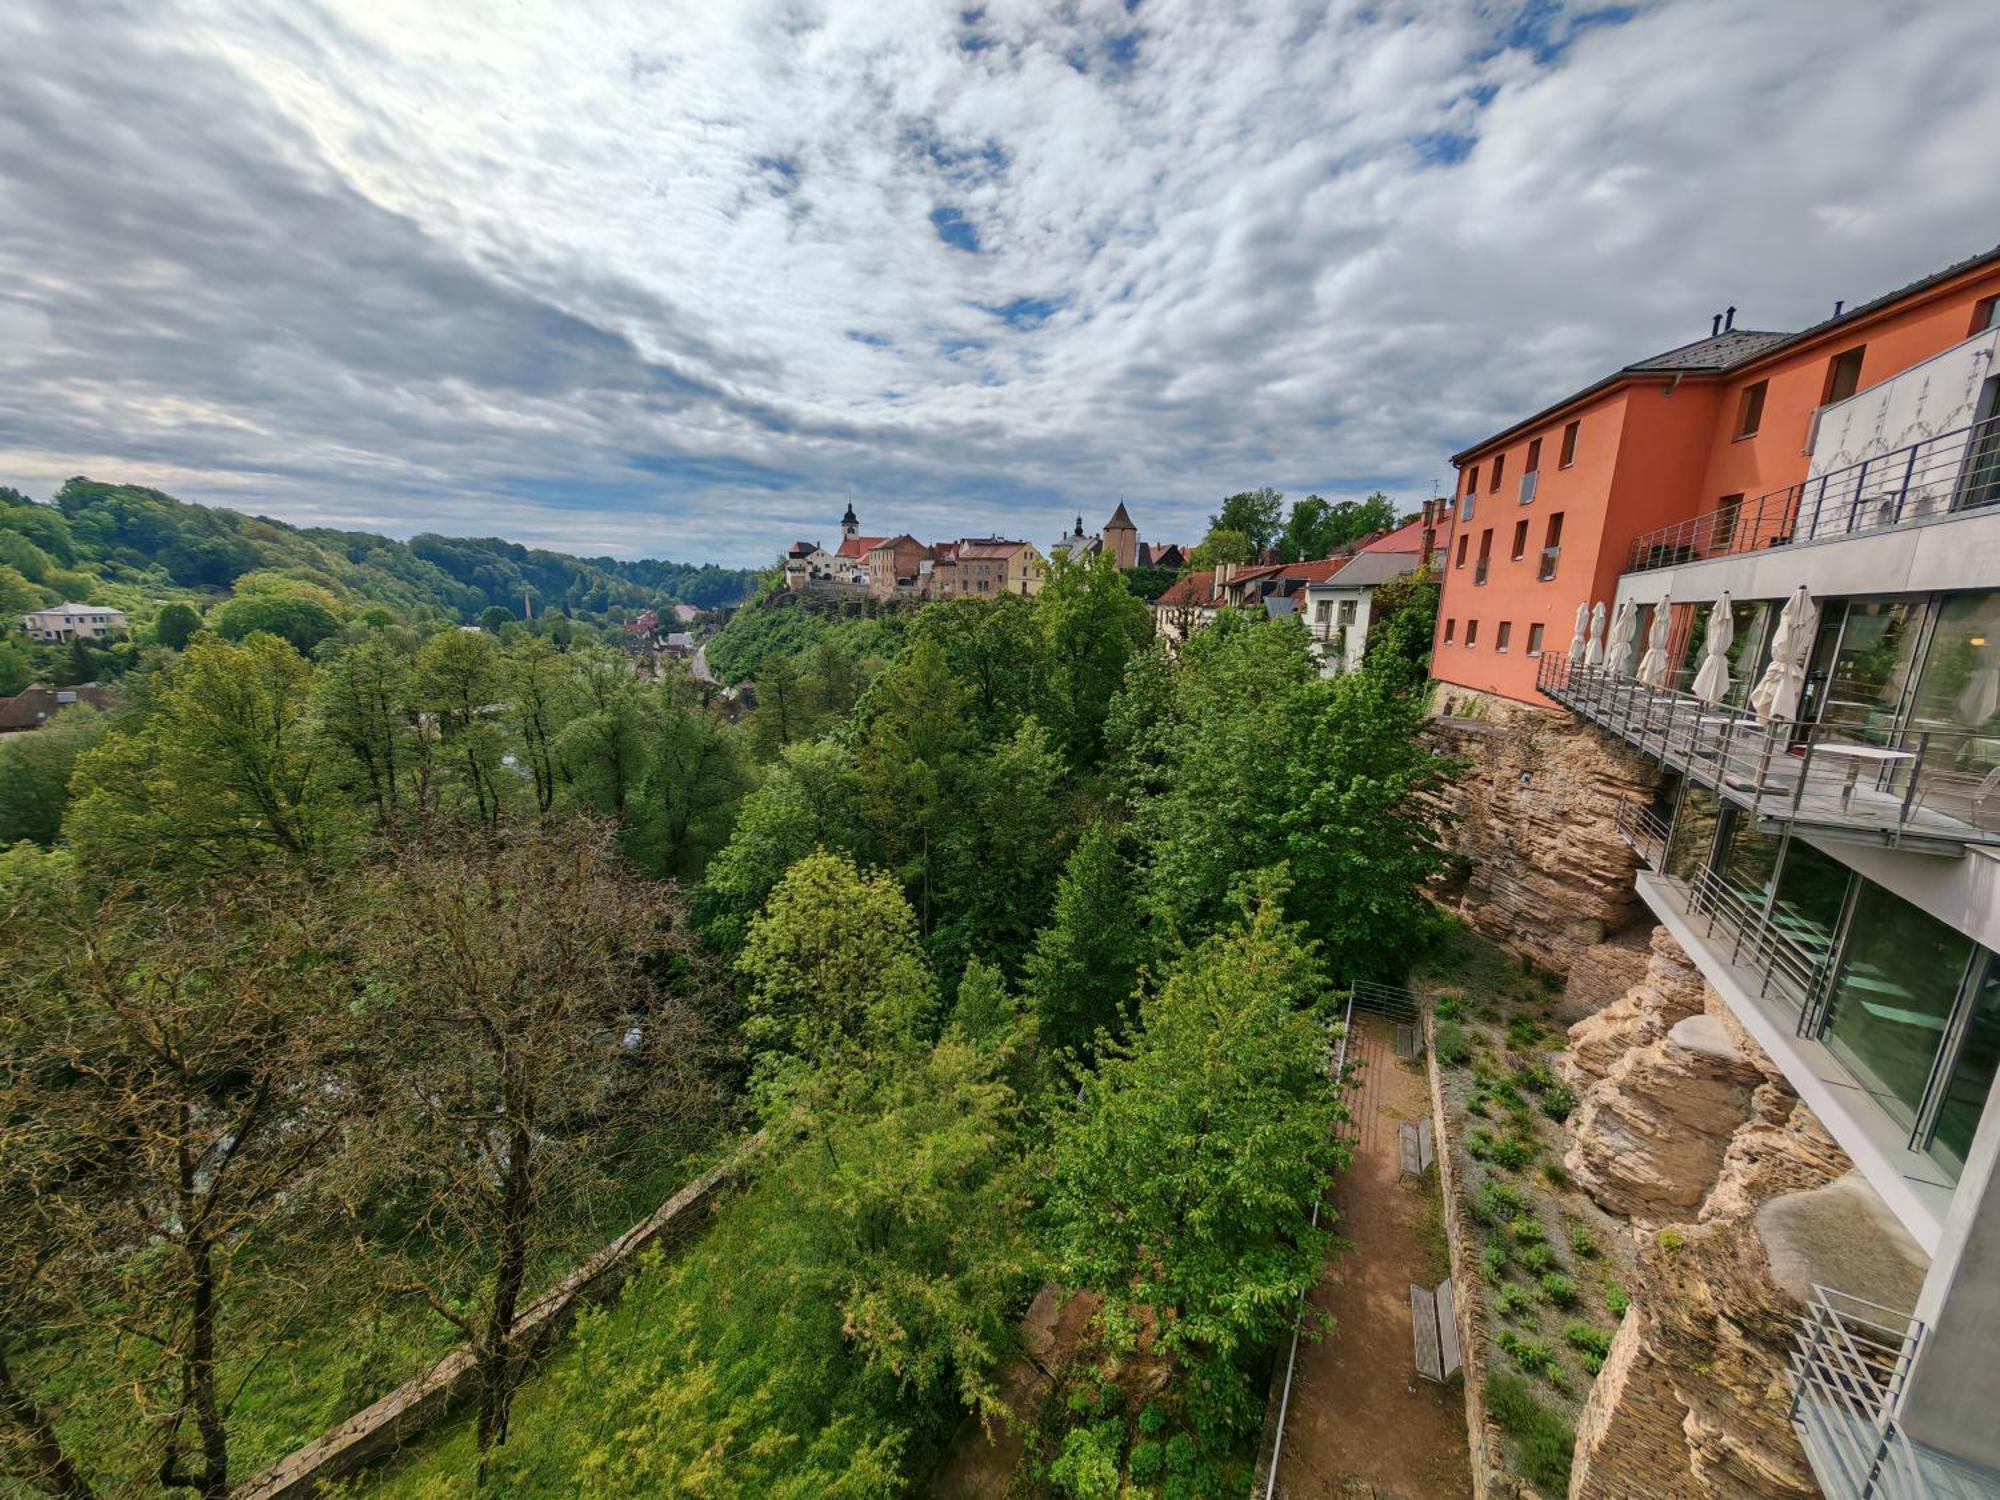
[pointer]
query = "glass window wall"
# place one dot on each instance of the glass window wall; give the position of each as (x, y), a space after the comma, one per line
(1693, 834)
(1971, 1081)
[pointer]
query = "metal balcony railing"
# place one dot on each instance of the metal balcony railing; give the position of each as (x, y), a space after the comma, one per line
(1952, 472)
(1850, 1362)
(1898, 783)
(1646, 832)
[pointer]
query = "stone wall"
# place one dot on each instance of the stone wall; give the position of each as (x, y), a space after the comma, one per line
(1739, 1200)
(1545, 874)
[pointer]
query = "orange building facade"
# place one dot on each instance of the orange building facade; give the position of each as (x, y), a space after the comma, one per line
(1548, 511)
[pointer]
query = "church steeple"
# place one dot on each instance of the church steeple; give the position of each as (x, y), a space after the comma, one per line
(849, 525)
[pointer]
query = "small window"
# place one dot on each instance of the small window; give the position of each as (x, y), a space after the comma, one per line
(1486, 544)
(1472, 479)
(1471, 633)
(1463, 543)
(1520, 541)
(1502, 634)
(1534, 455)
(1499, 468)
(1554, 536)
(1534, 640)
(1569, 444)
(1347, 611)
(1322, 610)
(1750, 409)
(1843, 375)
(1985, 315)
(1450, 630)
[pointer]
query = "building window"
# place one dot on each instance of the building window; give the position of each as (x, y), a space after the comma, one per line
(1450, 630)
(1520, 541)
(1463, 542)
(1534, 455)
(1322, 610)
(1499, 468)
(1569, 444)
(1471, 634)
(1552, 537)
(1843, 375)
(1750, 409)
(1723, 528)
(1534, 640)
(1471, 489)
(1485, 556)
(1502, 634)
(1347, 611)
(1985, 315)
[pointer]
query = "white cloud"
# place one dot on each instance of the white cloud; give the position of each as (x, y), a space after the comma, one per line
(675, 266)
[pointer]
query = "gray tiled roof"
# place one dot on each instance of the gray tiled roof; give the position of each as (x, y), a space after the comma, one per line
(1712, 354)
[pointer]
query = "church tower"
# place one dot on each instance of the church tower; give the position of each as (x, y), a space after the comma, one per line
(850, 528)
(1121, 538)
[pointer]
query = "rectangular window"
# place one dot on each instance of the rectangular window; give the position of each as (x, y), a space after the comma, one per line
(1499, 468)
(1723, 528)
(1347, 611)
(1471, 633)
(1552, 537)
(1502, 634)
(1534, 640)
(1450, 630)
(1985, 315)
(1463, 543)
(1322, 610)
(1520, 541)
(1750, 409)
(1472, 479)
(1843, 375)
(1569, 444)
(1485, 556)
(1534, 455)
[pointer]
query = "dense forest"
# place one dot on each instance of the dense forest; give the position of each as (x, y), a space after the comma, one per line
(355, 993)
(144, 552)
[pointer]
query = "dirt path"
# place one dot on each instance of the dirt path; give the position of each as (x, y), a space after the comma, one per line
(1361, 1423)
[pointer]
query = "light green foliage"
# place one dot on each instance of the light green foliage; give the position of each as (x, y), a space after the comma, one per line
(1402, 622)
(1086, 961)
(1540, 1436)
(299, 619)
(224, 770)
(1223, 545)
(363, 698)
(1184, 1181)
(35, 772)
(175, 625)
(1254, 513)
(458, 685)
(833, 966)
(1559, 1290)
(790, 626)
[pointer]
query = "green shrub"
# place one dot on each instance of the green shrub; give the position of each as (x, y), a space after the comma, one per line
(1476, 1105)
(1088, 1466)
(1448, 1008)
(1556, 1172)
(1615, 1300)
(1559, 1289)
(1148, 1460)
(1506, 1092)
(1593, 1343)
(1152, 1419)
(1537, 1078)
(1450, 1045)
(1536, 1259)
(1513, 1153)
(1524, 1035)
(1670, 1239)
(1542, 1437)
(1582, 1241)
(1528, 1229)
(1531, 1355)
(1493, 1260)
(1510, 1300)
(1559, 1102)
(1479, 1145)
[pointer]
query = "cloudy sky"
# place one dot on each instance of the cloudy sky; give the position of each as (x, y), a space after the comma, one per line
(673, 277)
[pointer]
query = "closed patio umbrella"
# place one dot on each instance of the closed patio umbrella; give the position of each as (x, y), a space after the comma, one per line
(1581, 638)
(1618, 650)
(1776, 695)
(1593, 651)
(1711, 683)
(1653, 665)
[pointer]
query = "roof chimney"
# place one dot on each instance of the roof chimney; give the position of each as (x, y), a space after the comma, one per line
(1729, 320)
(1715, 325)
(1837, 306)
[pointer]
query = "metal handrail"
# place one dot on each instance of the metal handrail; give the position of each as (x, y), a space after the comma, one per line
(1951, 472)
(1645, 830)
(1898, 781)
(1851, 1360)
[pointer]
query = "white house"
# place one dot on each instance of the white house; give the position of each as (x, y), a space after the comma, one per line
(74, 622)
(1337, 610)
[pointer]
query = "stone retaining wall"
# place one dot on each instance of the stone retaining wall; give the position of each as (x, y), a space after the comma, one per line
(421, 1404)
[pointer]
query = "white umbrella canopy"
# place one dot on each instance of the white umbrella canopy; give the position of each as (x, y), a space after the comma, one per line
(1593, 651)
(1776, 695)
(1581, 637)
(1653, 665)
(1618, 650)
(1711, 683)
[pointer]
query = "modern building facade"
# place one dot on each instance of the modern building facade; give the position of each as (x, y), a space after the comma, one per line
(1825, 845)
(1550, 510)
(73, 622)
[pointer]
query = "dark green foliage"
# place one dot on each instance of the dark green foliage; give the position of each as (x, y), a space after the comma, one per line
(175, 625)
(1253, 513)
(35, 770)
(1451, 1046)
(1086, 960)
(302, 623)
(1558, 1101)
(1402, 622)
(1319, 528)
(1150, 583)
(1560, 1290)
(1542, 1438)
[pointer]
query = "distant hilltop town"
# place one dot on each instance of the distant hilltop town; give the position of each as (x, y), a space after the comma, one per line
(901, 567)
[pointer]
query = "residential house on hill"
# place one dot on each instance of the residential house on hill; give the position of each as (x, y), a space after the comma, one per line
(73, 622)
(35, 706)
(893, 566)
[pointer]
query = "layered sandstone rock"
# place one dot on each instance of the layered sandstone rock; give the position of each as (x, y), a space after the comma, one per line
(1547, 875)
(1669, 989)
(1603, 972)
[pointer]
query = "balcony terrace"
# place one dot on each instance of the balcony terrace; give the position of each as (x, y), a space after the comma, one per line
(1939, 477)
(1933, 789)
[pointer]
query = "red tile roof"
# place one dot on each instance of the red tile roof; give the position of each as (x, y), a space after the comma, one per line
(988, 551)
(1408, 538)
(1197, 587)
(855, 546)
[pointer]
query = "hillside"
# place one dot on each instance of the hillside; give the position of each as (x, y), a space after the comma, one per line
(133, 547)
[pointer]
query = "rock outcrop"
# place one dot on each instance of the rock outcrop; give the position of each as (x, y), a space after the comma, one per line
(1546, 874)
(1604, 971)
(1740, 1201)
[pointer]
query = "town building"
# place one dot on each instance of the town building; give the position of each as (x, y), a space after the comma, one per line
(980, 567)
(73, 622)
(1120, 538)
(34, 706)
(1550, 509)
(893, 566)
(1337, 608)
(1774, 609)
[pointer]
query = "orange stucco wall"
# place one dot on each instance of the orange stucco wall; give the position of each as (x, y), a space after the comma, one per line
(1652, 452)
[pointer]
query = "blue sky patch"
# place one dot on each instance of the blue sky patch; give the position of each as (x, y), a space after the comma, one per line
(955, 229)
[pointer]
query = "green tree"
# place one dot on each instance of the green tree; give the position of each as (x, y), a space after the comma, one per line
(367, 717)
(459, 684)
(1086, 961)
(494, 618)
(223, 769)
(693, 778)
(1223, 546)
(1000, 853)
(17, 668)
(302, 622)
(602, 747)
(541, 694)
(1402, 623)
(1184, 1181)
(1091, 626)
(782, 715)
(1254, 513)
(35, 771)
(911, 759)
(995, 649)
(175, 625)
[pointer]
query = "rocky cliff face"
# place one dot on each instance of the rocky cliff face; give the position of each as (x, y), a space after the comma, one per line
(1739, 1200)
(1548, 876)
